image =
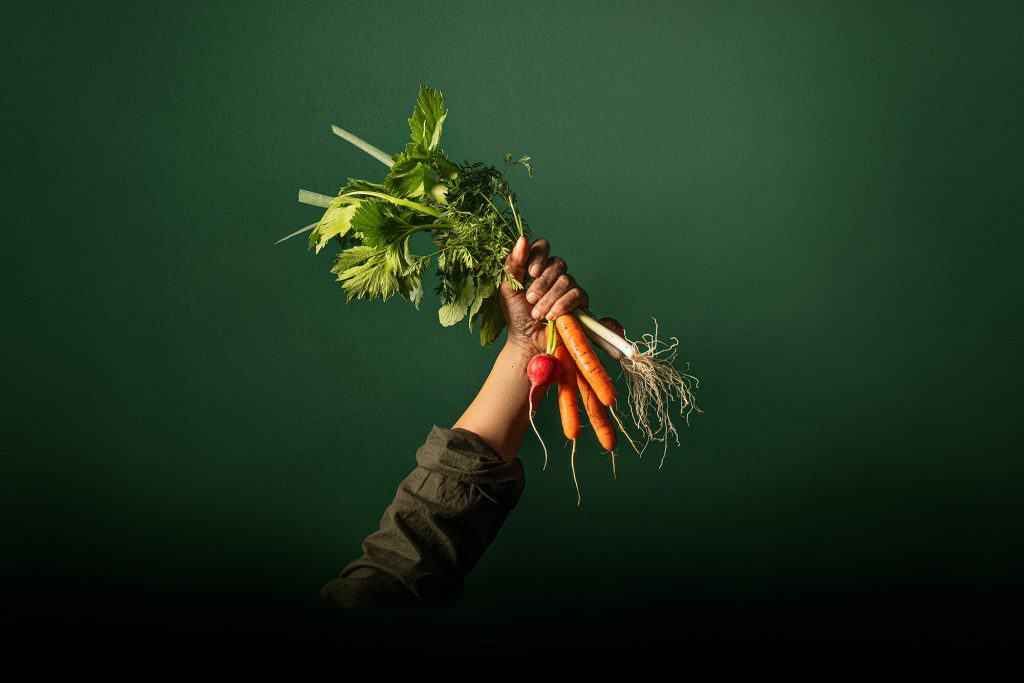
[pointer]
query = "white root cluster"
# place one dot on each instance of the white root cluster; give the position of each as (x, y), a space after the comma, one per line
(655, 387)
(654, 384)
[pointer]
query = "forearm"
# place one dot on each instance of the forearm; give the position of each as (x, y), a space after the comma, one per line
(444, 515)
(451, 507)
(499, 413)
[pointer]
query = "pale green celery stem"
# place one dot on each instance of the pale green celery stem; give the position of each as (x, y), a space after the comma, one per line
(602, 335)
(396, 200)
(315, 198)
(382, 157)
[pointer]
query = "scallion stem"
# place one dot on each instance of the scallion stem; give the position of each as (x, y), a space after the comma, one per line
(315, 198)
(298, 232)
(594, 329)
(381, 156)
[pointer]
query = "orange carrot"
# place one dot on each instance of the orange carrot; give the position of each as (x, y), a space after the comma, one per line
(567, 402)
(568, 407)
(598, 413)
(586, 360)
(615, 327)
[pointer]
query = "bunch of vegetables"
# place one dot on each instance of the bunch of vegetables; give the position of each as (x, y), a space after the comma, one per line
(470, 213)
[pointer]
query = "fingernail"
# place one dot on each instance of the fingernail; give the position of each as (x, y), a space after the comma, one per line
(531, 297)
(535, 313)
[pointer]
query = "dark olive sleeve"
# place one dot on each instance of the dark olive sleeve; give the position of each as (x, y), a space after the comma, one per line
(444, 515)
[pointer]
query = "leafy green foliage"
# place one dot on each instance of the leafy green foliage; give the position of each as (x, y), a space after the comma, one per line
(492, 321)
(337, 221)
(427, 119)
(374, 224)
(521, 161)
(410, 174)
(471, 216)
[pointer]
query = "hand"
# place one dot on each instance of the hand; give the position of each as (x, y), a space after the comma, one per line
(553, 293)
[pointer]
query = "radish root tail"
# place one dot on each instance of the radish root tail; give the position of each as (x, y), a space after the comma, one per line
(542, 445)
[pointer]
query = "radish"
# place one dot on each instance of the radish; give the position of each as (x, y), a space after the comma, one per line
(543, 370)
(424, 191)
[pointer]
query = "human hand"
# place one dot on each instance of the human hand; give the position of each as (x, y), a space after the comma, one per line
(553, 293)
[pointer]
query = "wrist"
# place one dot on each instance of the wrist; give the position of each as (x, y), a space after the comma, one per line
(520, 349)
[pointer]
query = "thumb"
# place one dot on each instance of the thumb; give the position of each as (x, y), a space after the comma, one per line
(515, 264)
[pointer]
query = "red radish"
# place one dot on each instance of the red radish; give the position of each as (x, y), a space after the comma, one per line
(543, 371)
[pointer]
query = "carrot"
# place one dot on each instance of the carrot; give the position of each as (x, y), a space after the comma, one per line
(598, 413)
(586, 360)
(567, 402)
(568, 407)
(616, 328)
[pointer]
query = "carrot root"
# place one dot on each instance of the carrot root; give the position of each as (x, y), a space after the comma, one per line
(624, 432)
(572, 466)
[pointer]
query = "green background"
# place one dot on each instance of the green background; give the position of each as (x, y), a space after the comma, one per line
(823, 202)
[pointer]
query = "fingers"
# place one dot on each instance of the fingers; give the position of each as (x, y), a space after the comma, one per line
(553, 292)
(558, 288)
(538, 257)
(563, 296)
(568, 302)
(517, 260)
(554, 269)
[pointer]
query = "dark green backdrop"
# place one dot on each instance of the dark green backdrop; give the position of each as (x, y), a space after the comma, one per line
(822, 201)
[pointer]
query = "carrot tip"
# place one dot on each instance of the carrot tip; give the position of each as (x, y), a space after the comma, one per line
(623, 430)
(572, 466)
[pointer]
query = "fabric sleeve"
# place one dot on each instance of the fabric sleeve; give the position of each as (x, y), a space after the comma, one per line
(444, 516)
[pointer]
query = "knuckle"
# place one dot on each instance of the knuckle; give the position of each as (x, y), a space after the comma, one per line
(558, 263)
(564, 281)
